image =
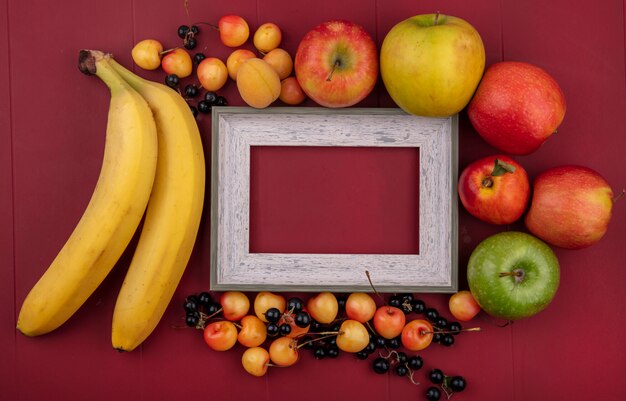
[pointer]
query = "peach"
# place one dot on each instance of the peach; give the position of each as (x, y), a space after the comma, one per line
(281, 61)
(258, 83)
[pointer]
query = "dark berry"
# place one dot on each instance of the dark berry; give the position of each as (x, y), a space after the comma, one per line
(210, 97)
(194, 110)
(315, 326)
(172, 80)
(431, 314)
(436, 376)
(447, 340)
(415, 362)
(401, 357)
(198, 57)
(371, 347)
(272, 315)
(182, 31)
(437, 337)
(418, 306)
(406, 298)
(394, 301)
(204, 107)
(341, 301)
(191, 90)
(221, 101)
(306, 342)
(331, 341)
(302, 319)
(401, 370)
(319, 353)
(213, 308)
(433, 394)
(394, 343)
(284, 329)
(380, 365)
(457, 383)
(190, 43)
(295, 305)
(195, 29)
(441, 322)
(380, 342)
(192, 319)
(335, 327)
(332, 352)
(455, 327)
(204, 298)
(191, 304)
(362, 355)
(272, 329)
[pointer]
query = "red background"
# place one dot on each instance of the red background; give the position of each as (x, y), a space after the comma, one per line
(53, 120)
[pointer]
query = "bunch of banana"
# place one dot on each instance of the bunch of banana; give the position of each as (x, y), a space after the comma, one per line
(176, 197)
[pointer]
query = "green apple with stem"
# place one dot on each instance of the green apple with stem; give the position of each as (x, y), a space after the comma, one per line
(513, 275)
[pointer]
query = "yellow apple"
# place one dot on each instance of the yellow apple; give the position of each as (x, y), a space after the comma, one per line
(431, 64)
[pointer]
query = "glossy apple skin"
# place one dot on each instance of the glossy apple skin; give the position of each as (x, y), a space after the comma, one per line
(221, 335)
(234, 30)
(323, 307)
(255, 361)
(389, 321)
(571, 207)
(496, 200)
(417, 335)
(432, 69)
(510, 297)
(463, 306)
(352, 48)
(353, 336)
(517, 107)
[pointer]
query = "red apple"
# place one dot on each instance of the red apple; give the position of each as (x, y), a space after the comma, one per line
(360, 307)
(516, 107)
(417, 335)
(337, 64)
(389, 321)
(323, 307)
(495, 189)
(235, 305)
(570, 207)
(220, 336)
(463, 306)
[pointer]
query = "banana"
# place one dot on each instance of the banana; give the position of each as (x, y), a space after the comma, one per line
(172, 218)
(113, 213)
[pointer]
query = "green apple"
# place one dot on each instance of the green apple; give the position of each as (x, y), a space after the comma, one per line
(431, 64)
(513, 275)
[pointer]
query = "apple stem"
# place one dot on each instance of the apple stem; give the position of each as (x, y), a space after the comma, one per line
(367, 273)
(517, 273)
(619, 195)
(330, 76)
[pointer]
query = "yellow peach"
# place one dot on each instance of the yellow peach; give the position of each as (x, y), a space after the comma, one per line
(258, 83)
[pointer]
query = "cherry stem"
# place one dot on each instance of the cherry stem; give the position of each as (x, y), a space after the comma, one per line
(330, 76)
(367, 273)
(618, 197)
(423, 332)
(325, 335)
(207, 24)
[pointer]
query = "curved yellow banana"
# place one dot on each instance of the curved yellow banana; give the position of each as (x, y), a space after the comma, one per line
(172, 218)
(112, 215)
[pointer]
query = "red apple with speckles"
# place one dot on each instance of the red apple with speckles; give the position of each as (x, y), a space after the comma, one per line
(571, 207)
(517, 107)
(495, 189)
(336, 64)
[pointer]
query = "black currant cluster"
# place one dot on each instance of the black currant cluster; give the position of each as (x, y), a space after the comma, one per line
(399, 362)
(205, 105)
(321, 340)
(188, 35)
(280, 323)
(199, 308)
(445, 331)
(449, 384)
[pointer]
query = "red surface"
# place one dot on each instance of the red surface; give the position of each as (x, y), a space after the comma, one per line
(53, 120)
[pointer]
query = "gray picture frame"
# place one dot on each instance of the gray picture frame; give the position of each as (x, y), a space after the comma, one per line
(233, 267)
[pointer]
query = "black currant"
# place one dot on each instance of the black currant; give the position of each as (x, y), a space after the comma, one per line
(406, 307)
(284, 329)
(198, 57)
(418, 306)
(172, 80)
(341, 301)
(315, 326)
(455, 327)
(190, 43)
(370, 348)
(380, 342)
(362, 355)
(437, 337)
(182, 31)
(319, 353)
(335, 327)
(272, 315)
(221, 101)
(272, 329)
(191, 90)
(401, 357)
(204, 298)
(204, 107)
(210, 97)
(302, 319)
(295, 305)
(332, 352)
(194, 29)
(394, 343)
(394, 301)
(194, 110)
(436, 376)
(415, 362)
(306, 342)
(192, 319)
(447, 340)
(431, 314)
(441, 322)
(433, 394)
(191, 304)
(401, 370)
(213, 308)
(380, 365)
(457, 383)
(331, 341)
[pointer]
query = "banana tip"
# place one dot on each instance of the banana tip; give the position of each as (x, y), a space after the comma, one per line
(87, 60)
